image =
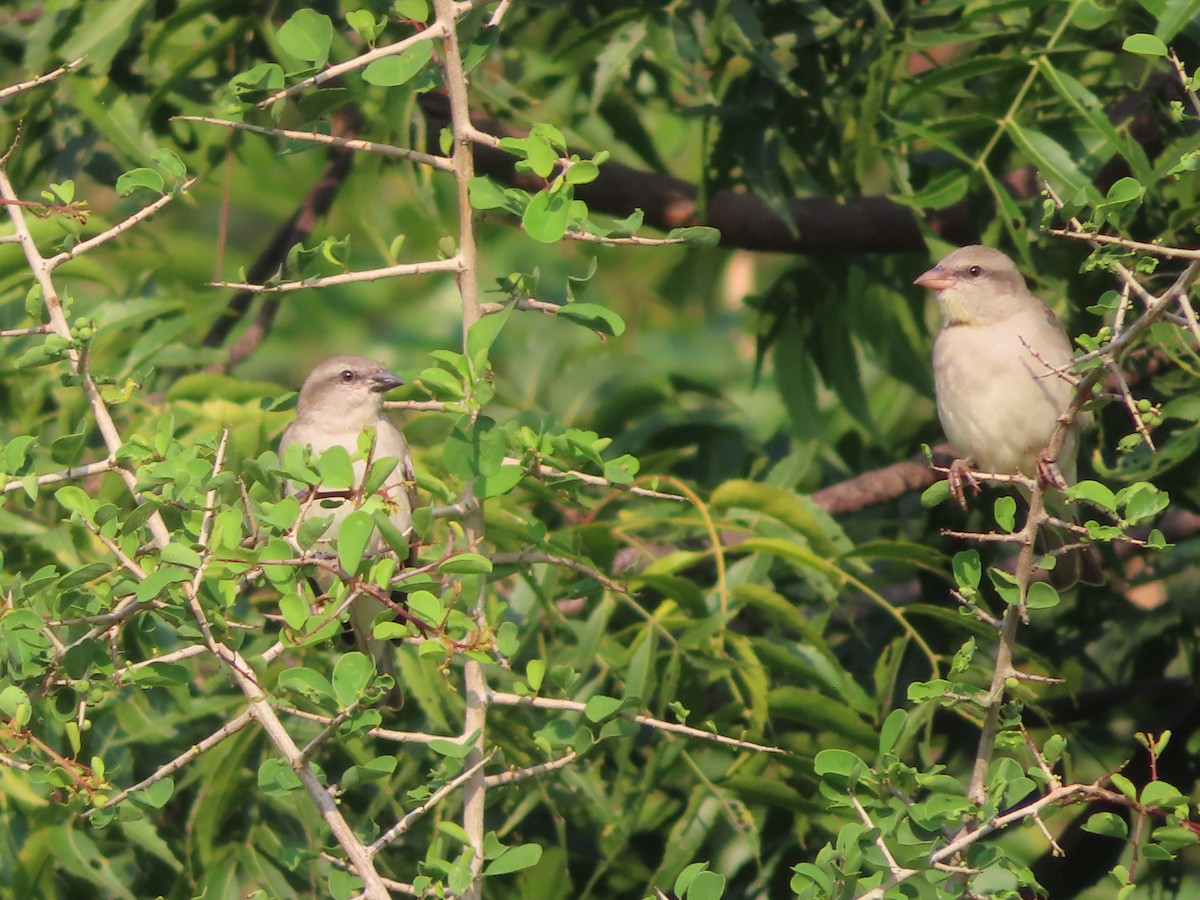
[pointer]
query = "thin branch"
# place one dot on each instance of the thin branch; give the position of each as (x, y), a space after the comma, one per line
(1082, 234)
(23, 332)
(21, 87)
(504, 699)
(386, 734)
(431, 801)
(315, 137)
(227, 730)
(538, 470)
(514, 775)
(120, 228)
(433, 32)
(453, 264)
(898, 871)
(42, 270)
(93, 468)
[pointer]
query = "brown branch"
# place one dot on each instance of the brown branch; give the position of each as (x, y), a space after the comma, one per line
(882, 485)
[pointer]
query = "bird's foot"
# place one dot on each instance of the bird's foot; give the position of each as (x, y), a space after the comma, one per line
(961, 470)
(1049, 473)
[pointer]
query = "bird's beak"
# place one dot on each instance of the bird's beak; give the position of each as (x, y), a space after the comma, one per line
(935, 279)
(382, 382)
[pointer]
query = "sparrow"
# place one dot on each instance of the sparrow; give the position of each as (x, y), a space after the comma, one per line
(1000, 364)
(340, 399)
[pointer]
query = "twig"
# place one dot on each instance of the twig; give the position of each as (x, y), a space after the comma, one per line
(898, 871)
(386, 734)
(22, 332)
(117, 230)
(14, 89)
(437, 162)
(1082, 234)
(453, 264)
(431, 801)
(42, 271)
(94, 468)
(504, 699)
(538, 470)
(227, 730)
(514, 775)
(433, 32)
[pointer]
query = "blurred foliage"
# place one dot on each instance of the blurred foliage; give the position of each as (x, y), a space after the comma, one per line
(747, 381)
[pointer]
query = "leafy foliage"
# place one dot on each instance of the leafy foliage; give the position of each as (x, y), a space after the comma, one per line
(638, 652)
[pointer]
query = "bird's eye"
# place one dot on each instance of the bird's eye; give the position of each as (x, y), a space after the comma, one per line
(347, 376)
(975, 271)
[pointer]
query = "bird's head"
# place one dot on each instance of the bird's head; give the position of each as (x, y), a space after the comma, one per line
(976, 285)
(348, 389)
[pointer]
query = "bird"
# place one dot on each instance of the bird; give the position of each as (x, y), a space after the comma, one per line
(1000, 370)
(339, 399)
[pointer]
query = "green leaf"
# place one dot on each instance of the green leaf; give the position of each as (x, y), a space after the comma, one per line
(1107, 824)
(796, 512)
(1041, 596)
(306, 35)
(818, 711)
(1093, 492)
(582, 172)
(484, 332)
(1056, 165)
(139, 179)
(156, 795)
(598, 318)
(892, 728)
(547, 216)
(936, 494)
(15, 705)
(477, 452)
(600, 707)
(412, 10)
(363, 22)
(696, 236)
(310, 683)
(840, 763)
(352, 537)
(1144, 45)
(76, 499)
(499, 484)
(706, 886)
(351, 675)
(968, 570)
(514, 859)
(1124, 785)
(1005, 510)
(535, 672)
(485, 194)
(466, 564)
(181, 554)
(392, 71)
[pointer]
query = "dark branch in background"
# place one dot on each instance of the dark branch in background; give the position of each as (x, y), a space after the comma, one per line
(316, 203)
(882, 485)
(857, 225)
(823, 225)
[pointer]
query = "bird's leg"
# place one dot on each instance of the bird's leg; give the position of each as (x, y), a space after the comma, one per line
(1048, 471)
(959, 470)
